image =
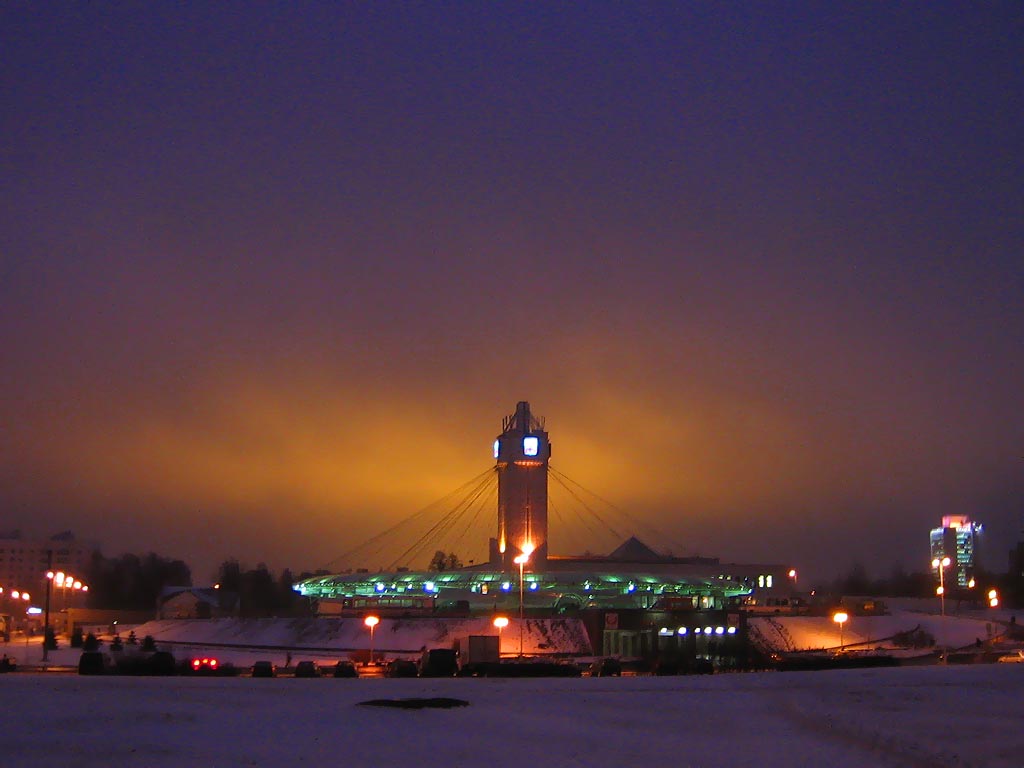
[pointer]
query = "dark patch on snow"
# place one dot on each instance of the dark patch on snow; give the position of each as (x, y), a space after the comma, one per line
(439, 702)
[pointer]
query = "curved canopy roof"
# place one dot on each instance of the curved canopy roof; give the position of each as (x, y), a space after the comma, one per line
(625, 588)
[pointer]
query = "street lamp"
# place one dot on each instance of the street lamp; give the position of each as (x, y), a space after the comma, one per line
(941, 591)
(500, 622)
(840, 617)
(521, 561)
(371, 622)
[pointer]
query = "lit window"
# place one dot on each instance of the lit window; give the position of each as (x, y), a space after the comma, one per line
(768, 581)
(682, 630)
(731, 630)
(531, 445)
(719, 630)
(760, 581)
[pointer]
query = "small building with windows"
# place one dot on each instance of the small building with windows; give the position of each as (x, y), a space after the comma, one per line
(197, 603)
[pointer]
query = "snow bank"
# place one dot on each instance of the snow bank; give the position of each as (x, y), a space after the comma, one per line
(323, 638)
(802, 633)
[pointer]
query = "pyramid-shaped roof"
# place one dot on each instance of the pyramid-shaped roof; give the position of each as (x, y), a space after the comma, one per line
(635, 551)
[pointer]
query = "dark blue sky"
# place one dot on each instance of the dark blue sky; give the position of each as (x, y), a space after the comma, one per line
(758, 264)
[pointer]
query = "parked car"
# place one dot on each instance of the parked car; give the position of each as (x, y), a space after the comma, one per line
(439, 662)
(307, 669)
(400, 668)
(207, 665)
(1012, 658)
(264, 669)
(345, 669)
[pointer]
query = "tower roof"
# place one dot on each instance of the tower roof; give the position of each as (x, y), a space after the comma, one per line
(634, 551)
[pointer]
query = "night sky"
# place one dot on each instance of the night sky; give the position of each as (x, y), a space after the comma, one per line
(273, 273)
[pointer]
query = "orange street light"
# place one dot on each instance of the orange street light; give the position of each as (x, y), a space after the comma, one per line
(500, 622)
(521, 561)
(941, 565)
(371, 622)
(840, 617)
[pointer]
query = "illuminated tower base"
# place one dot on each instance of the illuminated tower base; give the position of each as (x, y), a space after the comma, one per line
(521, 453)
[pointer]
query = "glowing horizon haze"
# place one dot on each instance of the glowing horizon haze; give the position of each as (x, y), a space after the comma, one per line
(271, 277)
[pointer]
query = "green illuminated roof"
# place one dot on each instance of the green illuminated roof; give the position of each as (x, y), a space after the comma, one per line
(482, 587)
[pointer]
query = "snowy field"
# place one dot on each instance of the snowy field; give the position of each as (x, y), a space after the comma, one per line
(915, 716)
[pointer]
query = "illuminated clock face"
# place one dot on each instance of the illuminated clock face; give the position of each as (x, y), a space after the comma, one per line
(497, 446)
(531, 445)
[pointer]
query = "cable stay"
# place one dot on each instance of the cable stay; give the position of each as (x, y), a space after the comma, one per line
(447, 521)
(387, 537)
(558, 478)
(491, 496)
(596, 536)
(637, 524)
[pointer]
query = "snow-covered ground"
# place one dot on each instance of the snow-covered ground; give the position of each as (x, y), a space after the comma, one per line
(914, 716)
(802, 633)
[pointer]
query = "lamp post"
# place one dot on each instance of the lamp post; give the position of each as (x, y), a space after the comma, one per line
(49, 589)
(371, 622)
(941, 591)
(500, 622)
(521, 560)
(840, 617)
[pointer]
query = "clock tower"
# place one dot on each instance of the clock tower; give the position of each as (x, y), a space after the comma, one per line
(521, 454)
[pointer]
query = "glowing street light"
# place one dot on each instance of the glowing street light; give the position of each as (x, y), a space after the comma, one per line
(521, 561)
(500, 622)
(371, 622)
(840, 617)
(941, 591)
(792, 574)
(993, 599)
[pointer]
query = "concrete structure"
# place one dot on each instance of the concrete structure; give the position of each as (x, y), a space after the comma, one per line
(521, 454)
(956, 539)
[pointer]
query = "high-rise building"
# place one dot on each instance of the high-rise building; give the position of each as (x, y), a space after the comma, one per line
(521, 454)
(957, 539)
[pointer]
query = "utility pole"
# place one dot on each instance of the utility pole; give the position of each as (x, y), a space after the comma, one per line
(46, 620)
